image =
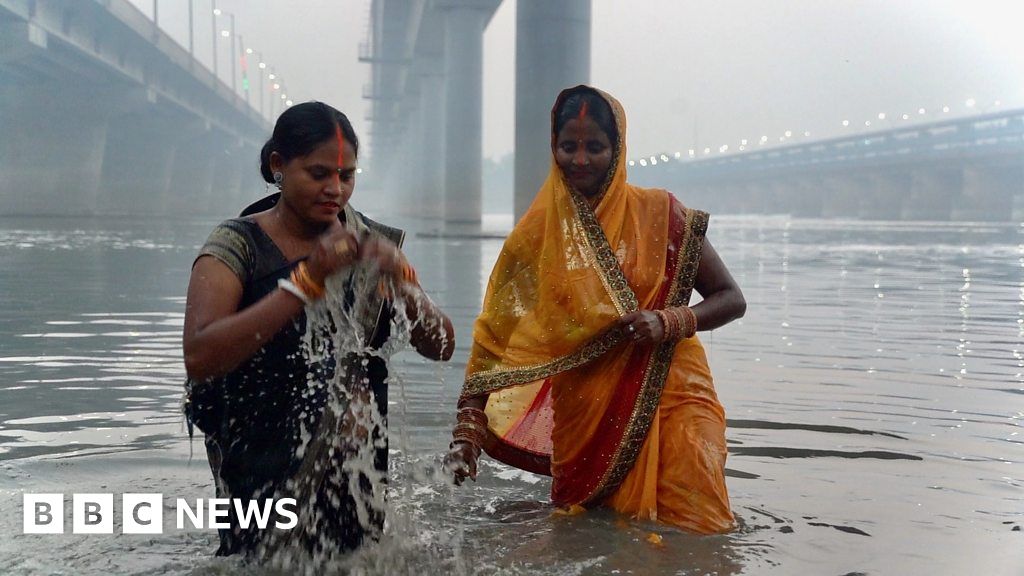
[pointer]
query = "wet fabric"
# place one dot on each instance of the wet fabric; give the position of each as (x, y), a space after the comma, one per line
(637, 427)
(267, 409)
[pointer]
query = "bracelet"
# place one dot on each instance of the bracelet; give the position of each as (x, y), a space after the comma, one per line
(304, 281)
(291, 288)
(686, 320)
(471, 413)
(665, 324)
(472, 433)
(409, 273)
(692, 328)
(677, 323)
(680, 324)
(471, 426)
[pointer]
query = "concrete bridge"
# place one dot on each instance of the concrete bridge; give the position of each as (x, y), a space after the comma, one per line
(426, 91)
(102, 112)
(961, 169)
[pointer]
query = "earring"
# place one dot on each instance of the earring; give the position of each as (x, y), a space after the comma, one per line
(278, 179)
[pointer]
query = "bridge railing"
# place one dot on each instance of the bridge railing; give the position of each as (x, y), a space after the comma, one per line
(995, 132)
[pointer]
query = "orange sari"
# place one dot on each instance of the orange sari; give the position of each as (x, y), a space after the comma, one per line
(635, 427)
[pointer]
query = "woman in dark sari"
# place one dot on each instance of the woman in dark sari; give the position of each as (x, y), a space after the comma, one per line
(284, 410)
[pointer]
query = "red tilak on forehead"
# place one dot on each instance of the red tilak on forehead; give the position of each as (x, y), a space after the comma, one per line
(583, 112)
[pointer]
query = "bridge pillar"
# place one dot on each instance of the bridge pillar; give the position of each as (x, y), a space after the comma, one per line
(775, 199)
(883, 195)
(464, 22)
(52, 155)
(253, 185)
(195, 157)
(932, 192)
(988, 192)
(432, 149)
(411, 158)
(842, 194)
(552, 53)
(138, 162)
(226, 194)
(747, 198)
(806, 196)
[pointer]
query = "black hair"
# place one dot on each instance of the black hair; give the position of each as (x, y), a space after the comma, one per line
(300, 129)
(597, 109)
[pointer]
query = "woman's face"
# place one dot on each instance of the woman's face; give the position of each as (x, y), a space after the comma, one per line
(317, 186)
(584, 153)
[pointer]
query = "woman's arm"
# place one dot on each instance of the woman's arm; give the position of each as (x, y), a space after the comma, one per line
(723, 301)
(217, 337)
(433, 335)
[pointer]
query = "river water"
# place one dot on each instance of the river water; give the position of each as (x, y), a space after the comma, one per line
(875, 395)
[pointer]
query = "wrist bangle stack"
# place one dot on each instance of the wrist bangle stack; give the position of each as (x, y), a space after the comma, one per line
(471, 427)
(409, 274)
(689, 321)
(678, 322)
(302, 280)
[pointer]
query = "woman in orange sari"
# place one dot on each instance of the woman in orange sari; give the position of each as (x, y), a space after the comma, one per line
(584, 364)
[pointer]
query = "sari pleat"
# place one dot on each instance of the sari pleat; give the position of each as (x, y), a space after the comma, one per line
(679, 476)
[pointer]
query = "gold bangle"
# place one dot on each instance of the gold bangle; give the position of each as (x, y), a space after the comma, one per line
(693, 322)
(665, 327)
(304, 280)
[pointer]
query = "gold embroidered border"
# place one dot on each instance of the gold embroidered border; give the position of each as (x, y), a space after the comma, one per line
(491, 380)
(608, 267)
(687, 262)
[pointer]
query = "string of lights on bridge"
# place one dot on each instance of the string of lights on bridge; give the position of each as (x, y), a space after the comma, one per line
(240, 54)
(693, 153)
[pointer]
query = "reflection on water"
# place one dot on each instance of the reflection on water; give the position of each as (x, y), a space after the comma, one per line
(875, 393)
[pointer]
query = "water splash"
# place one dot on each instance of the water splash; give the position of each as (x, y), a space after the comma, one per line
(341, 483)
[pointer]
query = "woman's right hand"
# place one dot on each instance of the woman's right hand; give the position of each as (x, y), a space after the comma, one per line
(461, 461)
(336, 249)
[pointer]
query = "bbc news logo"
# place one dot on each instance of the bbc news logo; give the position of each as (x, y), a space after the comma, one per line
(144, 513)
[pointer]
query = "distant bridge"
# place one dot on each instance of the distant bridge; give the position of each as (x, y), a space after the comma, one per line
(102, 112)
(961, 169)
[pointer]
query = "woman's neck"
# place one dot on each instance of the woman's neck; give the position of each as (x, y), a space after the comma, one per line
(292, 224)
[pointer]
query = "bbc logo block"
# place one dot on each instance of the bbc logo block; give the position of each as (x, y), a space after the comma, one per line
(93, 513)
(144, 513)
(44, 514)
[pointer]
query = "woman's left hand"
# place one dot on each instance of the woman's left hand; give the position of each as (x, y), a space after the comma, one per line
(642, 327)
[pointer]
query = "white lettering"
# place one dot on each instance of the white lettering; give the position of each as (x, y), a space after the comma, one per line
(252, 510)
(195, 516)
(218, 508)
(279, 506)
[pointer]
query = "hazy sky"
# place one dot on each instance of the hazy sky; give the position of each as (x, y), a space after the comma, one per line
(690, 73)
